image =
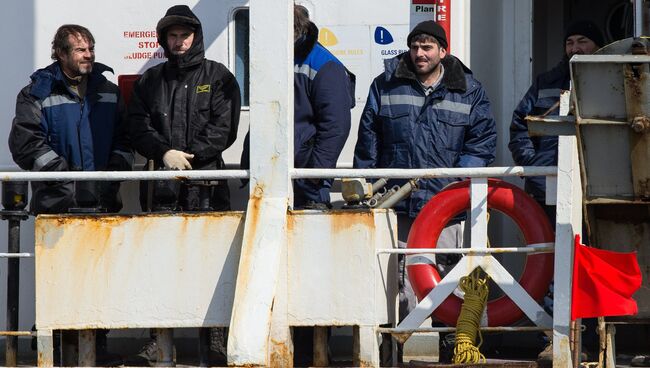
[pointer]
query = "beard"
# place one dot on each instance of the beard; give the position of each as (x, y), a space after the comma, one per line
(426, 69)
(85, 69)
(79, 68)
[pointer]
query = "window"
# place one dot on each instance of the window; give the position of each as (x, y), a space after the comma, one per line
(242, 72)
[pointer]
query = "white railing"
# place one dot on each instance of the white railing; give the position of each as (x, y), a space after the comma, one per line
(475, 172)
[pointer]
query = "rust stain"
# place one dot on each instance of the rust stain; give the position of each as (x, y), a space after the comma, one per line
(281, 354)
(635, 79)
(347, 220)
(252, 218)
(401, 337)
(42, 362)
(251, 227)
(291, 222)
(363, 363)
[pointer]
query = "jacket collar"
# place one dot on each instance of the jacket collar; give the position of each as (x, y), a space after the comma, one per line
(453, 79)
(44, 80)
(303, 46)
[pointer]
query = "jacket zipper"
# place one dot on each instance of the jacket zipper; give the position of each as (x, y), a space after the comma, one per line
(81, 151)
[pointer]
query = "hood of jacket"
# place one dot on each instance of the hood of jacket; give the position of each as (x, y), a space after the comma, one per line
(43, 80)
(303, 45)
(182, 15)
(401, 66)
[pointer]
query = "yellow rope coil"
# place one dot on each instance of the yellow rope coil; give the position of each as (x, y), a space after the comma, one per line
(467, 328)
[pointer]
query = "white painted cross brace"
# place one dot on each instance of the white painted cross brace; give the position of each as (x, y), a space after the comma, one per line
(467, 264)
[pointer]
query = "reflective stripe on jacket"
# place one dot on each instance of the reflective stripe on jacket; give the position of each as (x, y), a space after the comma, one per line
(401, 127)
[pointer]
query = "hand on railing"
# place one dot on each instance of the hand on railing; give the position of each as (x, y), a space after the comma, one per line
(177, 160)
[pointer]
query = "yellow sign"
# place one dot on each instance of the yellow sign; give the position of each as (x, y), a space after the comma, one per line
(203, 89)
(327, 37)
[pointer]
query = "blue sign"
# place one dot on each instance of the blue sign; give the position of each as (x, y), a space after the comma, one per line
(382, 36)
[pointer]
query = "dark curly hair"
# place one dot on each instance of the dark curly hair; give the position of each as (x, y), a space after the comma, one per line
(61, 44)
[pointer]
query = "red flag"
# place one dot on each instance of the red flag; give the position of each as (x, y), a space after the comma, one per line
(603, 282)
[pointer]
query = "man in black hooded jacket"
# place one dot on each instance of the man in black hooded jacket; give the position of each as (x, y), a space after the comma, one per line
(184, 113)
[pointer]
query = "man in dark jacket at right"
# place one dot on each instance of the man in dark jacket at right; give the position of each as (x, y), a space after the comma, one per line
(581, 38)
(184, 113)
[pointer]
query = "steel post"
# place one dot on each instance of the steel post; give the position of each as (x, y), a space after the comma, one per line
(45, 342)
(638, 17)
(87, 352)
(13, 283)
(165, 342)
(256, 318)
(568, 224)
(365, 346)
(320, 347)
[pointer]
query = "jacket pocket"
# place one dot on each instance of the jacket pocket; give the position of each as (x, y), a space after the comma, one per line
(395, 156)
(199, 121)
(451, 131)
(395, 123)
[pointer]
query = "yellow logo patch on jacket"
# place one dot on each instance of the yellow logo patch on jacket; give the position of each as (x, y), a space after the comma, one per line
(203, 88)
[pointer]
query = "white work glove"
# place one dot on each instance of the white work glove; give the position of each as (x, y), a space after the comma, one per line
(177, 160)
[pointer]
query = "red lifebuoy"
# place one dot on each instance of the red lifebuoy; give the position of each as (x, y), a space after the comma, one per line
(503, 197)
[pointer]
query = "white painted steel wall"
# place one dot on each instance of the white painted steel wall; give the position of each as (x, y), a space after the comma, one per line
(493, 38)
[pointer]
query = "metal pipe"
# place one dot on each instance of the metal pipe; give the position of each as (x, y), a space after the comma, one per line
(87, 348)
(13, 283)
(452, 172)
(470, 251)
(401, 193)
(18, 333)
(379, 185)
(320, 349)
(16, 255)
(638, 17)
(123, 175)
(383, 198)
(165, 342)
(478, 172)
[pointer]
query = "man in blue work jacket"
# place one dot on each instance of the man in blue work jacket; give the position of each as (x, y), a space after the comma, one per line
(323, 96)
(425, 111)
(581, 38)
(69, 118)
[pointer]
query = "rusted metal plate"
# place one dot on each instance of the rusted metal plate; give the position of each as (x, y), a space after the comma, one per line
(637, 99)
(136, 271)
(599, 90)
(335, 276)
(605, 157)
